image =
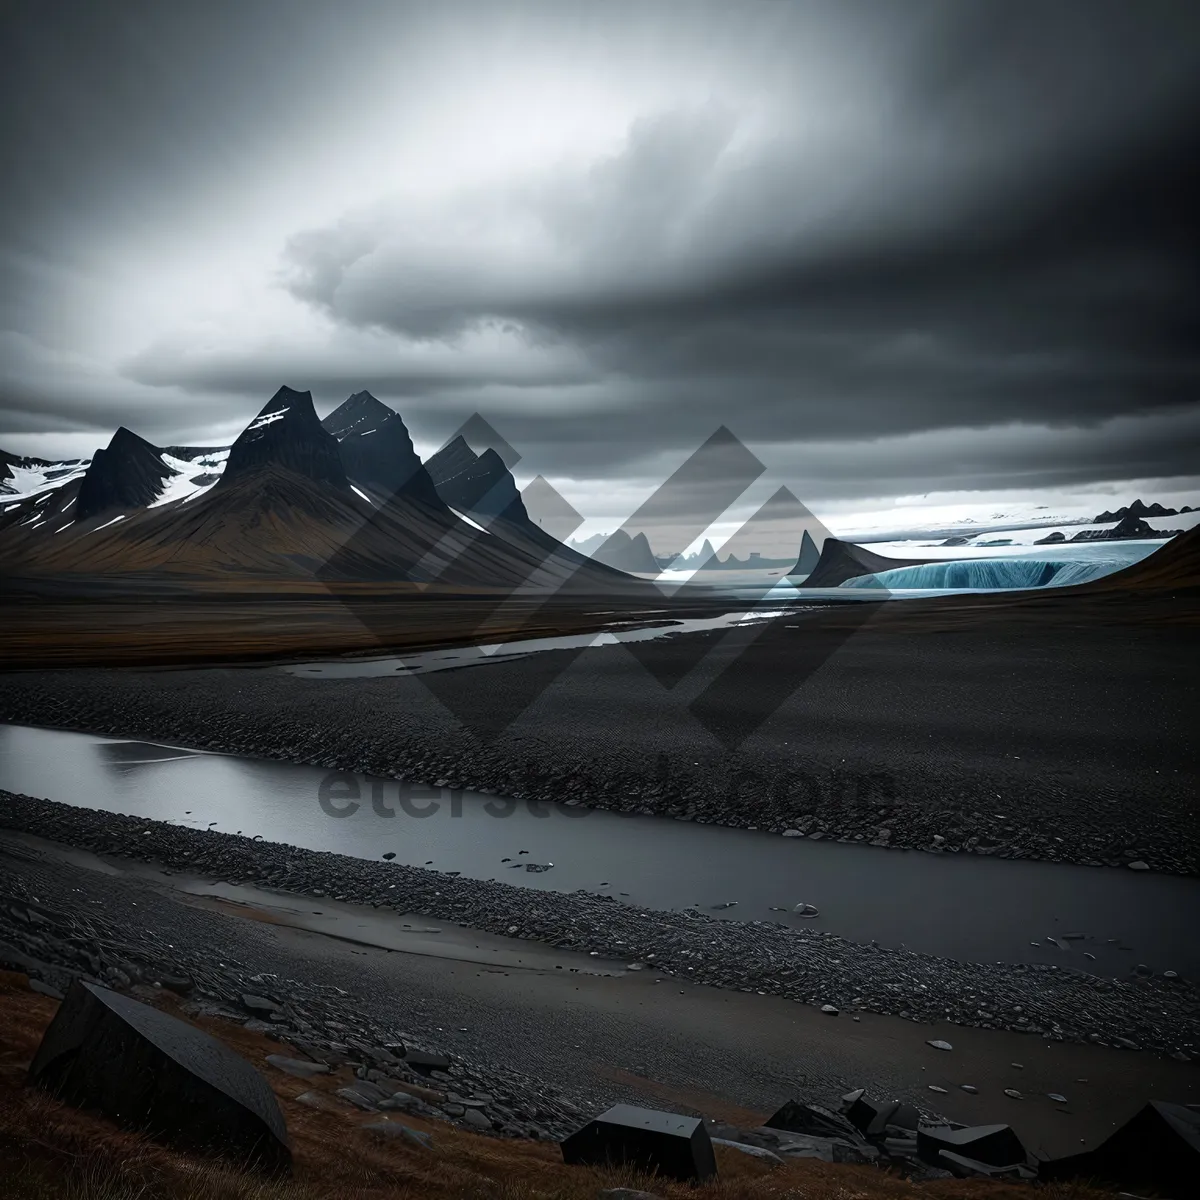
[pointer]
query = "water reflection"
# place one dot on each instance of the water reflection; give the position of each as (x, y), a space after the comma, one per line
(954, 905)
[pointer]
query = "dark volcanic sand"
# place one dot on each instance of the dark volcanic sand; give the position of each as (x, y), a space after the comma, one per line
(529, 1032)
(1056, 742)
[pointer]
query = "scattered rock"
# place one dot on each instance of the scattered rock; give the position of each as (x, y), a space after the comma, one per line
(940, 1045)
(830, 1010)
(297, 1067)
(355, 1097)
(754, 1151)
(677, 1147)
(798, 1117)
(394, 1129)
(259, 1004)
(150, 1071)
(994, 1145)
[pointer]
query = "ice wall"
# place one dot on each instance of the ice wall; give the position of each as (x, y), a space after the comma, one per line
(994, 573)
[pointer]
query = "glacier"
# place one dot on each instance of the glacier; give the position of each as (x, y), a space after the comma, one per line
(1006, 573)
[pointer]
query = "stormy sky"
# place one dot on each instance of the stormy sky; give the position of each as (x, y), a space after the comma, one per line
(897, 249)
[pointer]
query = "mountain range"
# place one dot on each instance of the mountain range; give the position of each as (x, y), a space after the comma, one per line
(340, 501)
(1138, 509)
(297, 501)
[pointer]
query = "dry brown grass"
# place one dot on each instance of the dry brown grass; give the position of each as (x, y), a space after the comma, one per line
(51, 1152)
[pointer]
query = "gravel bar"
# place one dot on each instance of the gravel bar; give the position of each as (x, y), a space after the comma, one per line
(1059, 745)
(1155, 1013)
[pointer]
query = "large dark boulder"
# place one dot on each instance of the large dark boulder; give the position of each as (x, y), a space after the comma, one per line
(149, 1071)
(671, 1145)
(1157, 1150)
(797, 1117)
(871, 1117)
(995, 1145)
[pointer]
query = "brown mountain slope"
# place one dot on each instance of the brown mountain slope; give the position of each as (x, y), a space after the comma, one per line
(274, 524)
(1175, 564)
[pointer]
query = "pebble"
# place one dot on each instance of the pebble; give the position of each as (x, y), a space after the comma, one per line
(795, 963)
(267, 714)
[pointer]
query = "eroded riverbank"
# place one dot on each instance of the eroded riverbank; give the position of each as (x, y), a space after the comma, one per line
(810, 967)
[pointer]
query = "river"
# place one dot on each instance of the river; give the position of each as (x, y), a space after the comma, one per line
(960, 906)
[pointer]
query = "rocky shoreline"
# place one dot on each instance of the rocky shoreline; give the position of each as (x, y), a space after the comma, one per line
(611, 738)
(1160, 1014)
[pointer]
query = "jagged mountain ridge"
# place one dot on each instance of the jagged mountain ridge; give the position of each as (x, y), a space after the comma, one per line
(285, 508)
(628, 553)
(482, 488)
(377, 451)
(477, 484)
(1138, 509)
(288, 434)
(277, 523)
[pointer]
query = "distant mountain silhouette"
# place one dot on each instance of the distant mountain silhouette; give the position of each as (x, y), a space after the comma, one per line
(1126, 528)
(1137, 509)
(625, 553)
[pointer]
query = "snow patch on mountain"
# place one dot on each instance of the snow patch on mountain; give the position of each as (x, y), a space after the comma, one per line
(266, 419)
(31, 479)
(462, 516)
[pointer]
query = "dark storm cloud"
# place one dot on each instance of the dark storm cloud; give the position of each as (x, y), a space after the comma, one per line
(1065, 293)
(953, 220)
